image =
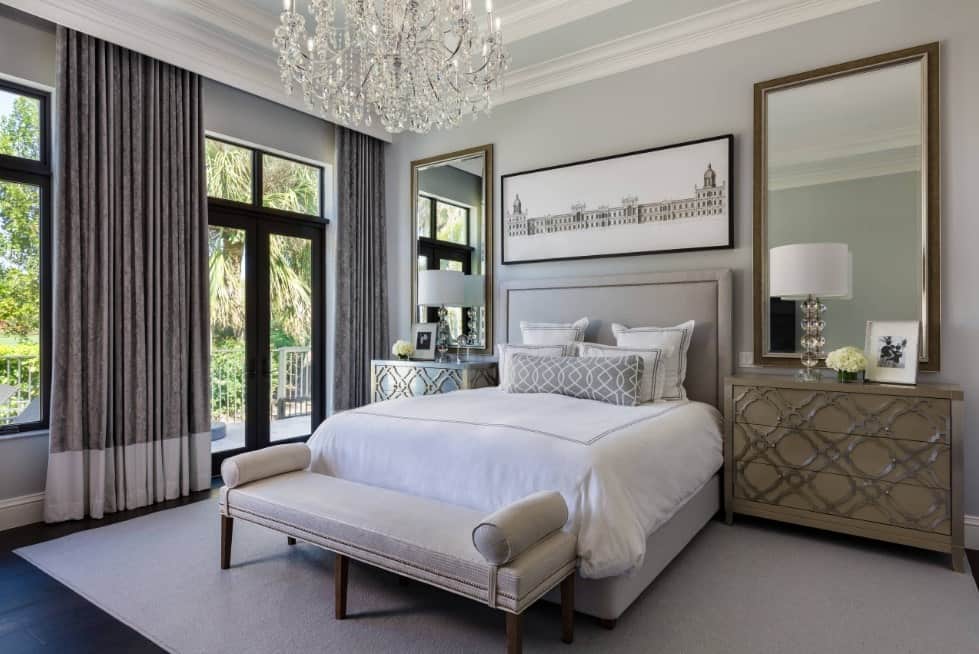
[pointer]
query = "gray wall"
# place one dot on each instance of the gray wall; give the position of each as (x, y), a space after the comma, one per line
(709, 93)
(879, 218)
(27, 50)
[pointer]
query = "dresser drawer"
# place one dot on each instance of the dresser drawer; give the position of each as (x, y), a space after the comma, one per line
(909, 418)
(901, 505)
(868, 457)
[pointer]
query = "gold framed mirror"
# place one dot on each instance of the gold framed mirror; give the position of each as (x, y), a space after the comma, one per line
(851, 154)
(452, 230)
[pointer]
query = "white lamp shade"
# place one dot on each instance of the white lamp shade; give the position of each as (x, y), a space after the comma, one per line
(475, 290)
(438, 287)
(802, 269)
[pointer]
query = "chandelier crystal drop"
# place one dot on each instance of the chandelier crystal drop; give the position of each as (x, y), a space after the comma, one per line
(411, 64)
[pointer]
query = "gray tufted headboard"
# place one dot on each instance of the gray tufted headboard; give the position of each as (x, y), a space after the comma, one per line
(659, 299)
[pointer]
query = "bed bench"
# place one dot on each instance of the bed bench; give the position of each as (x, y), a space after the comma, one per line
(508, 559)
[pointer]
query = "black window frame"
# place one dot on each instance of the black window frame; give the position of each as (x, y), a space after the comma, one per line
(257, 183)
(36, 172)
(433, 202)
(437, 250)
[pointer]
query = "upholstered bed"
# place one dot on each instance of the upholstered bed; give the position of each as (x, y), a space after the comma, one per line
(640, 481)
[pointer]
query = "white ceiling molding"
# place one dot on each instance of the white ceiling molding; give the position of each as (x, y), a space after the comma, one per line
(828, 171)
(730, 22)
(905, 137)
(526, 18)
(184, 39)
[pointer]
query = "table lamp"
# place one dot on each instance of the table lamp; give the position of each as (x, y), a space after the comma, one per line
(810, 272)
(438, 288)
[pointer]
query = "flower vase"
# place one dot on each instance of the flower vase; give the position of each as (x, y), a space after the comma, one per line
(403, 357)
(845, 377)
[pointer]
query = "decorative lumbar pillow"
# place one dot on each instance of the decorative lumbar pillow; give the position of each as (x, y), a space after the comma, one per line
(613, 380)
(674, 341)
(504, 354)
(553, 333)
(650, 358)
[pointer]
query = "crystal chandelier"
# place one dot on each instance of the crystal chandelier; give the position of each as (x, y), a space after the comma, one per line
(412, 64)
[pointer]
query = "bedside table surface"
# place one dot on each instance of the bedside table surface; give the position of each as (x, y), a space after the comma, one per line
(481, 362)
(942, 391)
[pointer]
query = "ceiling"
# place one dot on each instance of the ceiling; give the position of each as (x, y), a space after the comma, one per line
(553, 43)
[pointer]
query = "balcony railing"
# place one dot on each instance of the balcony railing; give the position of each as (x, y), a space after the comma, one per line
(20, 389)
(20, 385)
(290, 375)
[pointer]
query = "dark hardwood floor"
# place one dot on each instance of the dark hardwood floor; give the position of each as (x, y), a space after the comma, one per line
(38, 614)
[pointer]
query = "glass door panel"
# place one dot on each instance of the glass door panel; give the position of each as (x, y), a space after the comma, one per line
(291, 310)
(229, 356)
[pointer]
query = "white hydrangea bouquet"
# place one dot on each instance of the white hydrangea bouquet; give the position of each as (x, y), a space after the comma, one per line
(402, 349)
(848, 362)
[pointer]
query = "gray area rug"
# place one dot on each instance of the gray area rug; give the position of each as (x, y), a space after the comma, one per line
(748, 589)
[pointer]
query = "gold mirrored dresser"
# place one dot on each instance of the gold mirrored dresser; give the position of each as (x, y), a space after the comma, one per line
(397, 378)
(873, 460)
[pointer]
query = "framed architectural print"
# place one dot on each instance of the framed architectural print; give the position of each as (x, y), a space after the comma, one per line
(892, 351)
(669, 199)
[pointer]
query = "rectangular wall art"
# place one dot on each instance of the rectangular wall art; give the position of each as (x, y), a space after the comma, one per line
(668, 199)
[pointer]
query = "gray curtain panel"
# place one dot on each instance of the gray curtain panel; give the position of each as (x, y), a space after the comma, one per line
(361, 305)
(130, 396)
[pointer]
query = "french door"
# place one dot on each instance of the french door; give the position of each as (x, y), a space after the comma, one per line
(266, 281)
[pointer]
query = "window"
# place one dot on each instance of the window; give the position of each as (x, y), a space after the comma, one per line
(443, 221)
(25, 185)
(229, 171)
(443, 244)
(290, 185)
(247, 176)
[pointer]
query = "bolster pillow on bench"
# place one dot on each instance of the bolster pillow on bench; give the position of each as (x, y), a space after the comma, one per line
(502, 536)
(275, 460)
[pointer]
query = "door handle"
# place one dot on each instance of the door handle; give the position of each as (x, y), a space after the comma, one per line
(266, 369)
(250, 373)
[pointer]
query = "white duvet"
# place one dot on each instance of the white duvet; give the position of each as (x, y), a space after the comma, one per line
(623, 471)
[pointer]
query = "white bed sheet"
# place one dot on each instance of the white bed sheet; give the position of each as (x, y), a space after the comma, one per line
(623, 471)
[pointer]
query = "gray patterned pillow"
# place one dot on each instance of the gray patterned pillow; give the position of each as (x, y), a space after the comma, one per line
(614, 380)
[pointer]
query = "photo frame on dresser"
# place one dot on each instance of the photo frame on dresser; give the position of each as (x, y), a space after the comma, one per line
(891, 346)
(674, 198)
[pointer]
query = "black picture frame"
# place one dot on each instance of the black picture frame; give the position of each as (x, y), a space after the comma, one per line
(730, 181)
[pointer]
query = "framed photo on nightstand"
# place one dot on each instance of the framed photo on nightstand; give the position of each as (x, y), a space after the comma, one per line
(423, 338)
(892, 351)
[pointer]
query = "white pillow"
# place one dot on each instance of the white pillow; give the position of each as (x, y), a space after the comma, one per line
(505, 352)
(674, 341)
(650, 359)
(553, 333)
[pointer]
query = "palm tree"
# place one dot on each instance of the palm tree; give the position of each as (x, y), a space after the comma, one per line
(291, 187)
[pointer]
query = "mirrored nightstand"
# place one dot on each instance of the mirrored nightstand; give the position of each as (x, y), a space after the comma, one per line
(395, 378)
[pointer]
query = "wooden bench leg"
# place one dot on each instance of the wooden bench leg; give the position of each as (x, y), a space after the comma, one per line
(608, 623)
(514, 633)
(227, 528)
(567, 609)
(290, 540)
(340, 586)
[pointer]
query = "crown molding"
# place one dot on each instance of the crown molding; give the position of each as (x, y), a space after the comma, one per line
(730, 22)
(230, 41)
(183, 38)
(527, 18)
(845, 169)
(896, 139)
